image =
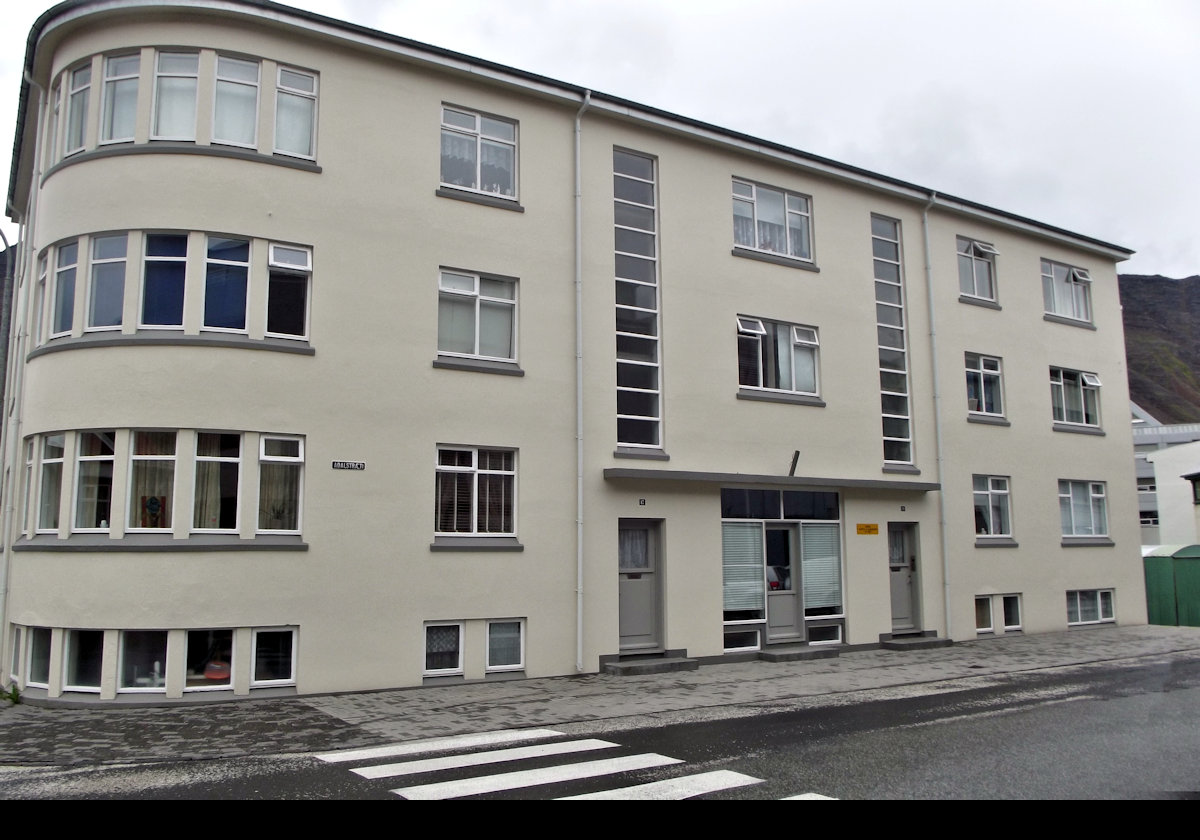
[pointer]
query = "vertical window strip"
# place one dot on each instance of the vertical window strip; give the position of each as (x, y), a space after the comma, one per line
(893, 343)
(120, 98)
(80, 88)
(635, 235)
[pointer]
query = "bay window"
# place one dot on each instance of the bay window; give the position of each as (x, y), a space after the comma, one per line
(120, 98)
(63, 315)
(78, 91)
(175, 79)
(106, 297)
(53, 449)
(235, 108)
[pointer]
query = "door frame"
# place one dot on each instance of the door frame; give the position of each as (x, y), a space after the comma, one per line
(656, 642)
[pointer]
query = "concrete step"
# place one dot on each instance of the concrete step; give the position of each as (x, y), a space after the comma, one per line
(793, 653)
(650, 665)
(914, 643)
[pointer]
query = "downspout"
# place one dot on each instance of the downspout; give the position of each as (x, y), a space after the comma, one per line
(937, 417)
(587, 101)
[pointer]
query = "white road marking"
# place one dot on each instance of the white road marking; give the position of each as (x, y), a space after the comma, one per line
(808, 796)
(452, 742)
(682, 787)
(530, 778)
(450, 762)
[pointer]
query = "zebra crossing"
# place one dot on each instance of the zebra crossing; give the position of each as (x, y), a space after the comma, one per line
(448, 767)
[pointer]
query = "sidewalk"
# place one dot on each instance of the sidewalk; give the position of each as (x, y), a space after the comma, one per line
(38, 735)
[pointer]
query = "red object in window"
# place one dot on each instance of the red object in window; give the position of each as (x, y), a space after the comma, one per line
(217, 671)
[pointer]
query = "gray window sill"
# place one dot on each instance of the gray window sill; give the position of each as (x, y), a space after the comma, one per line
(982, 302)
(475, 544)
(157, 543)
(479, 198)
(775, 259)
(641, 454)
(478, 365)
(172, 338)
(1070, 322)
(988, 420)
(1071, 428)
(1073, 542)
(903, 469)
(164, 147)
(779, 397)
(982, 541)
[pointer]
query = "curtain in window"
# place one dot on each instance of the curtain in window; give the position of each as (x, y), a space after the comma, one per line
(279, 496)
(294, 124)
(152, 482)
(495, 330)
(821, 564)
(497, 172)
(176, 108)
(805, 364)
(504, 644)
(742, 565)
(456, 324)
(441, 647)
(458, 159)
(633, 548)
(772, 221)
(236, 113)
(120, 109)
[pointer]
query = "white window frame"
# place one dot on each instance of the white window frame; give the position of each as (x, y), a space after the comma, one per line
(1103, 618)
(264, 458)
(209, 263)
(14, 673)
(30, 636)
(760, 331)
(1015, 598)
(78, 91)
(1067, 291)
(63, 272)
(217, 686)
(98, 262)
(1148, 517)
(217, 459)
(254, 634)
(37, 328)
(796, 206)
(442, 672)
(982, 372)
(236, 81)
(116, 78)
(159, 76)
(80, 459)
(43, 462)
(283, 90)
(990, 627)
(973, 257)
(480, 136)
(1084, 386)
(68, 637)
(30, 445)
(279, 263)
(133, 509)
(1097, 498)
(147, 259)
(151, 687)
(476, 295)
(475, 471)
(520, 664)
(997, 491)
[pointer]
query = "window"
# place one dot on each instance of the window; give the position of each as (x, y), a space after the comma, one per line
(209, 660)
(976, 269)
(777, 356)
(476, 491)
(1012, 612)
(443, 649)
(52, 145)
(274, 660)
(1146, 485)
(165, 275)
(235, 110)
(14, 672)
(1067, 291)
(1082, 508)
(983, 385)
(287, 291)
(63, 316)
(143, 661)
(152, 480)
(1090, 606)
(39, 305)
(93, 501)
(175, 96)
(296, 113)
(983, 615)
(1149, 517)
(27, 487)
(991, 506)
(120, 98)
(83, 658)
(893, 346)
(77, 107)
(1075, 397)
(772, 220)
(39, 656)
(479, 152)
(280, 472)
(51, 489)
(106, 298)
(505, 646)
(227, 272)
(477, 316)
(218, 465)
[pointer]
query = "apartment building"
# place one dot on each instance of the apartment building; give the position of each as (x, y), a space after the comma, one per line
(343, 362)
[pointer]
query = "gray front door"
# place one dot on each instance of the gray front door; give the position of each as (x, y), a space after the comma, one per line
(902, 565)
(785, 612)
(638, 587)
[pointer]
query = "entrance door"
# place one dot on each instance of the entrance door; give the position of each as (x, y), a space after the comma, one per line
(638, 589)
(785, 612)
(902, 563)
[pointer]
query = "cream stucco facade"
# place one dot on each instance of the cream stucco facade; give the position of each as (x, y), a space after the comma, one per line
(321, 378)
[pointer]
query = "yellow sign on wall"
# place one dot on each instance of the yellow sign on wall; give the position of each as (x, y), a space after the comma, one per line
(867, 528)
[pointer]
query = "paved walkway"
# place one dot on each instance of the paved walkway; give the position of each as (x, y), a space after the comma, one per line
(41, 735)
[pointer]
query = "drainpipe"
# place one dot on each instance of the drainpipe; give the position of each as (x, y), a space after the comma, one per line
(587, 101)
(937, 416)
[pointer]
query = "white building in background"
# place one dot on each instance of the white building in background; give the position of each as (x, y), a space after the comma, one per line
(344, 362)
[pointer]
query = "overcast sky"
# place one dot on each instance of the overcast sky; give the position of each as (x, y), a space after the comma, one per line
(1083, 114)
